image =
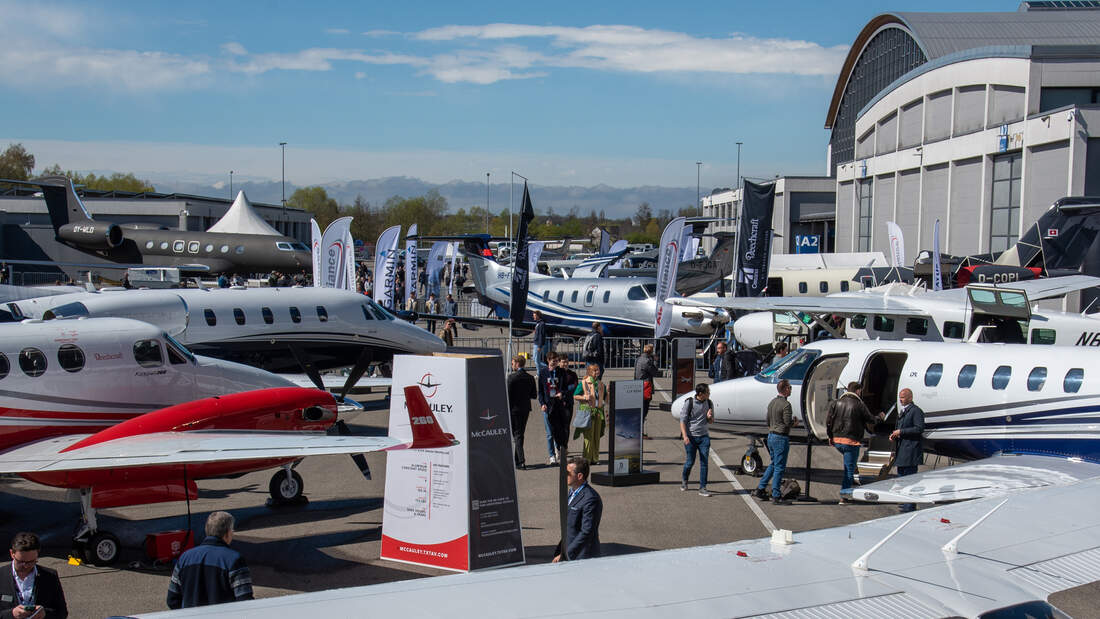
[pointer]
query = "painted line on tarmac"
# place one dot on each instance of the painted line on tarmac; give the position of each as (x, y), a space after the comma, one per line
(760, 515)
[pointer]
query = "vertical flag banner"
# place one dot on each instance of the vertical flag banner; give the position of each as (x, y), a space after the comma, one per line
(685, 242)
(454, 258)
(410, 263)
(534, 253)
(897, 244)
(385, 266)
(668, 260)
(520, 268)
(754, 240)
(315, 246)
(937, 275)
(333, 249)
(348, 282)
(437, 257)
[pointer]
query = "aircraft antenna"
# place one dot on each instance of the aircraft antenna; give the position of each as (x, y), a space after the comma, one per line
(953, 546)
(861, 563)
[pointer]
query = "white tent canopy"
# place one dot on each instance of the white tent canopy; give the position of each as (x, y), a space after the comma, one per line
(241, 218)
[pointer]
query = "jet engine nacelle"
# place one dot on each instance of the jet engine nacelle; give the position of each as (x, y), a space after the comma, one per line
(91, 234)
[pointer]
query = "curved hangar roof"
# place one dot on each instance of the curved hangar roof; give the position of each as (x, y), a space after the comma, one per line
(940, 34)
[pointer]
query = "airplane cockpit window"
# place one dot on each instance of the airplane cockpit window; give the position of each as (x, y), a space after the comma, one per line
(916, 326)
(954, 330)
(1036, 379)
(635, 293)
(607, 296)
(177, 246)
(1001, 377)
(177, 353)
(793, 367)
(68, 309)
(380, 312)
(1073, 380)
(823, 287)
(239, 249)
(70, 358)
(295, 315)
(238, 315)
(933, 374)
(967, 375)
(844, 286)
(859, 321)
(299, 247)
(366, 313)
(268, 316)
(650, 289)
(5, 367)
(322, 313)
(284, 246)
(882, 323)
(211, 319)
(147, 353)
(32, 362)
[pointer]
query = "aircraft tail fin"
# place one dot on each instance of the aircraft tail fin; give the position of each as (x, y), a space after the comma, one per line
(486, 272)
(426, 431)
(62, 202)
(722, 254)
(1060, 237)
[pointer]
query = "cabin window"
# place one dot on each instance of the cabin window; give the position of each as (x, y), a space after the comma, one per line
(1043, 336)
(823, 287)
(238, 315)
(283, 246)
(933, 374)
(859, 321)
(916, 326)
(561, 294)
(573, 297)
(882, 323)
(954, 330)
(224, 249)
(193, 247)
(803, 288)
(1001, 377)
(70, 358)
(295, 315)
(211, 319)
(545, 295)
(32, 362)
(967, 375)
(1036, 379)
(147, 353)
(268, 316)
(844, 286)
(635, 293)
(163, 245)
(322, 313)
(1073, 380)
(588, 297)
(239, 249)
(5, 367)
(607, 296)
(149, 244)
(177, 246)
(209, 248)
(366, 313)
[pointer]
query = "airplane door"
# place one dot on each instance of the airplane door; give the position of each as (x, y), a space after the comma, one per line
(590, 295)
(818, 390)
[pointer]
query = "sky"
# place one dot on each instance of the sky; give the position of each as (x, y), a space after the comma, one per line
(566, 93)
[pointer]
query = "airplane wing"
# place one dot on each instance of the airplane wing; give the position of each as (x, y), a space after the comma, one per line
(336, 381)
(1042, 542)
(859, 303)
(1049, 287)
(988, 477)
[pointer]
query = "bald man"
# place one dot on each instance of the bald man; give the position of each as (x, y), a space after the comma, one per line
(909, 436)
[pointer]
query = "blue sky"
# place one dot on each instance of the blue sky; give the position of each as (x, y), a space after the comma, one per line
(566, 93)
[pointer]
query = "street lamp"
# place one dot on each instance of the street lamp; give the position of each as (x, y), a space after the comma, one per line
(283, 183)
(231, 184)
(739, 164)
(698, 166)
(486, 203)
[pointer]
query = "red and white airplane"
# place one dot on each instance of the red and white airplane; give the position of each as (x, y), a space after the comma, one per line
(118, 410)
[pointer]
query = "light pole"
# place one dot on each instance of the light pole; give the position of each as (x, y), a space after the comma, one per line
(739, 164)
(486, 203)
(231, 184)
(283, 183)
(698, 166)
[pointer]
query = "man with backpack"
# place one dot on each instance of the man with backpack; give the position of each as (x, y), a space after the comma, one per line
(593, 348)
(697, 413)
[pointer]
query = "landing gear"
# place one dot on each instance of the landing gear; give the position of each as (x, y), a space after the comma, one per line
(89, 543)
(103, 549)
(286, 487)
(751, 462)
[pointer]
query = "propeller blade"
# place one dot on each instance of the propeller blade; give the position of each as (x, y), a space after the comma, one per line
(360, 461)
(361, 366)
(307, 366)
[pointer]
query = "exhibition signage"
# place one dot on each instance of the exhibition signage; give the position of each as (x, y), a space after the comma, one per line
(937, 274)
(520, 267)
(454, 508)
(410, 264)
(668, 261)
(754, 240)
(334, 254)
(349, 261)
(534, 253)
(385, 266)
(897, 244)
(807, 243)
(437, 259)
(624, 426)
(315, 246)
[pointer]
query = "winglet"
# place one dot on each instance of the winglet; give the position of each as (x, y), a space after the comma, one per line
(426, 431)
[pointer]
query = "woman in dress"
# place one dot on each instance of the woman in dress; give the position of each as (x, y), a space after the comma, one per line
(591, 396)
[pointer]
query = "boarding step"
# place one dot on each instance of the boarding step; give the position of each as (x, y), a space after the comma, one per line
(874, 465)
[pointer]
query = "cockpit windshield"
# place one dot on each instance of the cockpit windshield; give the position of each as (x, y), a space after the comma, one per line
(379, 312)
(177, 348)
(793, 367)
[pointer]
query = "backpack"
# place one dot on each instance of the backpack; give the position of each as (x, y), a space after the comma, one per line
(591, 349)
(789, 489)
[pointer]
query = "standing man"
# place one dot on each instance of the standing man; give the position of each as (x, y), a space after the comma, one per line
(645, 370)
(521, 390)
(847, 419)
(910, 439)
(450, 306)
(723, 366)
(582, 530)
(552, 396)
(212, 572)
(27, 589)
(539, 341)
(431, 308)
(697, 413)
(780, 421)
(593, 348)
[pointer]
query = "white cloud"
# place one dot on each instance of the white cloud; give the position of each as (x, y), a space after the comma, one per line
(127, 69)
(381, 33)
(337, 31)
(235, 48)
(360, 75)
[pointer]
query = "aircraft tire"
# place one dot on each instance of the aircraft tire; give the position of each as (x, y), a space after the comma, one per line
(752, 464)
(286, 489)
(103, 549)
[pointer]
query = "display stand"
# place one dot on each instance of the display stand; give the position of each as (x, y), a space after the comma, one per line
(683, 366)
(625, 441)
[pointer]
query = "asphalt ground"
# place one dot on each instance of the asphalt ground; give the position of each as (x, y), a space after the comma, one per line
(334, 541)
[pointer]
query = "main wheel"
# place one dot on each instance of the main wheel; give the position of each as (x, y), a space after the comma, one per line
(285, 488)
(103, 549)
(752, 464)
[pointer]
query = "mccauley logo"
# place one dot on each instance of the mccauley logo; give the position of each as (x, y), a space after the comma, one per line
(427, 386)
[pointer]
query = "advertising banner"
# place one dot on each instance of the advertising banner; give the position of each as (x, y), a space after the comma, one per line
(454, 508)
(315, 246)
(520, 273)
(410, 263)
(385, 266)
(437, 258)
(668, 261)
(349, 262)
(937, 274)
(685, 243)
(333, 250)
(534, 253)
(626, 406)
(754, 240)
(897, 244)
(454, 259)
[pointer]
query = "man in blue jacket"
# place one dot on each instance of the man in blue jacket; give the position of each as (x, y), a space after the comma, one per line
(582, 531)
(212, 572)
(910, 439)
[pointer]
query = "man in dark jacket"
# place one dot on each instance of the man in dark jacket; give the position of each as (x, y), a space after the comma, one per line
(539, 341)
(847, 419)
(910, 438)
(521, 390)
(723, 367)
(593, 347)
(582, 531)
(27, 589)
(212, 572)
(645, 370)
(555, 391)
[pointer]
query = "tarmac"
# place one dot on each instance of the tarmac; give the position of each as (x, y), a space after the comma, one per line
(335, 540)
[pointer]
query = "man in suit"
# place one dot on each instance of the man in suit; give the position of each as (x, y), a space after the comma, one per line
(910, 439)
(29, 590)
(723, 365)
(582, 531)
(522, 388)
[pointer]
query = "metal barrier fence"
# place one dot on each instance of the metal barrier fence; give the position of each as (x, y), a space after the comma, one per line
(620, 353)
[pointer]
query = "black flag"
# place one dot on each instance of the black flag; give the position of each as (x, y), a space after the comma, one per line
(519, 264)
(754, 239)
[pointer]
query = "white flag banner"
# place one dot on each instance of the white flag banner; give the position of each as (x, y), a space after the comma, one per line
(693, 248)
(315, 246)
(897, 244)
(348, 283)
(937, 275)
(333, 253)
(685, 242)
(454, 258)
(668, 260)
(385, 266)
(437, 259)
(534, 252)
(617, 246)
(410, 263)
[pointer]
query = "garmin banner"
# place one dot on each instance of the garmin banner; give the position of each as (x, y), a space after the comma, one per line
(385, 266)
(410, 264)
(333, 250)
(520, 272)
(437, 259)
(454, 508)
(754, 239)
(315, 246)
(668, 260)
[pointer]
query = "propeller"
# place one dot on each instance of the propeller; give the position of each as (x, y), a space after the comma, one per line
(360, 460)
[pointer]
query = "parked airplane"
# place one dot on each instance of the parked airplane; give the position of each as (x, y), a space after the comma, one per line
(136, 244)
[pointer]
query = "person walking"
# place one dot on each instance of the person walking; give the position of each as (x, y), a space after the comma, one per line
(552, 401)
(591, 396)
(909, 437)
(780, 421)
(432, 307)
(845, 423)
(450, 306)
(29, 590)
(449, 332)
(645, 370)
(593, 347)
(696, 414)
(539, 340)
(723, 366)
(212, 572)
(521, 390)
(582, 530)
